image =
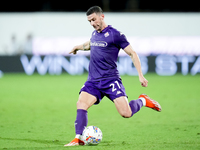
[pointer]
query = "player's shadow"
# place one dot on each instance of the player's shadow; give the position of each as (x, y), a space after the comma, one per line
(49, 144)
(45, 142)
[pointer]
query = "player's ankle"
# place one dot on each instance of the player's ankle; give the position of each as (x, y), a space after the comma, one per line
(78, 136)
(143, 101)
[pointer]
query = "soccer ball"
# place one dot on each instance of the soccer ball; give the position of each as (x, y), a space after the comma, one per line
(92, 135)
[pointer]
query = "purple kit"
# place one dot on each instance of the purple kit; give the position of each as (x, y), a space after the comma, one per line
(104, 79)
(104, 49)
(111, 88)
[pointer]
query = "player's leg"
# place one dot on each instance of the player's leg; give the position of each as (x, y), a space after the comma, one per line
(117, 94)
(126, 109)
(85, 101)
(115, 91)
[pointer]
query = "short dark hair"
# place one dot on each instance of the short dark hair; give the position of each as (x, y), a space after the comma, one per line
(94, 9)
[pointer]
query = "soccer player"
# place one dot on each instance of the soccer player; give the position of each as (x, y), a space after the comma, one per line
(103, 78)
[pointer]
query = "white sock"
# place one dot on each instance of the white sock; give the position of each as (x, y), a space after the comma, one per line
(78, 136)
(143, 101)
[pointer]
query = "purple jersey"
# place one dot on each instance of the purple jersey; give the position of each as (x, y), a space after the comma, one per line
(104, 49)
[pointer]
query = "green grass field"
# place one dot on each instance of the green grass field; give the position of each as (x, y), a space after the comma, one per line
(38, 112)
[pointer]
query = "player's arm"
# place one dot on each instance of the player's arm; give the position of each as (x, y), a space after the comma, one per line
(85, 47)
(136, 61)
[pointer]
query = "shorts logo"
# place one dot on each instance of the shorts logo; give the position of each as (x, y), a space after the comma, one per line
(118, 92)
(99, 43)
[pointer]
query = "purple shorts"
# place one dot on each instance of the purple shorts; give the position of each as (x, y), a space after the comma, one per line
(111, 88)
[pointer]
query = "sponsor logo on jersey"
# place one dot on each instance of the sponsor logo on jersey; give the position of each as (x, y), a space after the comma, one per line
(99, 43)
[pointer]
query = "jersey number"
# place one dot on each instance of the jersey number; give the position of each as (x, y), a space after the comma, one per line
(113, 86)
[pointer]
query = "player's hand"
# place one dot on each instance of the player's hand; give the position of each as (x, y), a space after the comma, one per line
(74, 50)
(143, 81)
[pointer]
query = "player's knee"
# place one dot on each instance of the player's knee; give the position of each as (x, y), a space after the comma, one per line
(82, 105)
(126, 114)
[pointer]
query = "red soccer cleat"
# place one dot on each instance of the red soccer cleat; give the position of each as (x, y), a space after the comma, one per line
(75, 142)
(151, 103)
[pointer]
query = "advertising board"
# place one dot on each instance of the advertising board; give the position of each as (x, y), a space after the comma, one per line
(164, 65)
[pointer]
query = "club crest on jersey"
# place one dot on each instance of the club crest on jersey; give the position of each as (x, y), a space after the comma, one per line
(106, 34)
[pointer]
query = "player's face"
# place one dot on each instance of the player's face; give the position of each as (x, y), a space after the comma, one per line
(96, 20)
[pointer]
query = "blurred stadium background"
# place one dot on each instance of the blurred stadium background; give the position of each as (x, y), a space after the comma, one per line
(36, 36)
(38, 112)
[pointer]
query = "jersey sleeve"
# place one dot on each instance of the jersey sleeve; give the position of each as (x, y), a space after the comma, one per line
(120, 40)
